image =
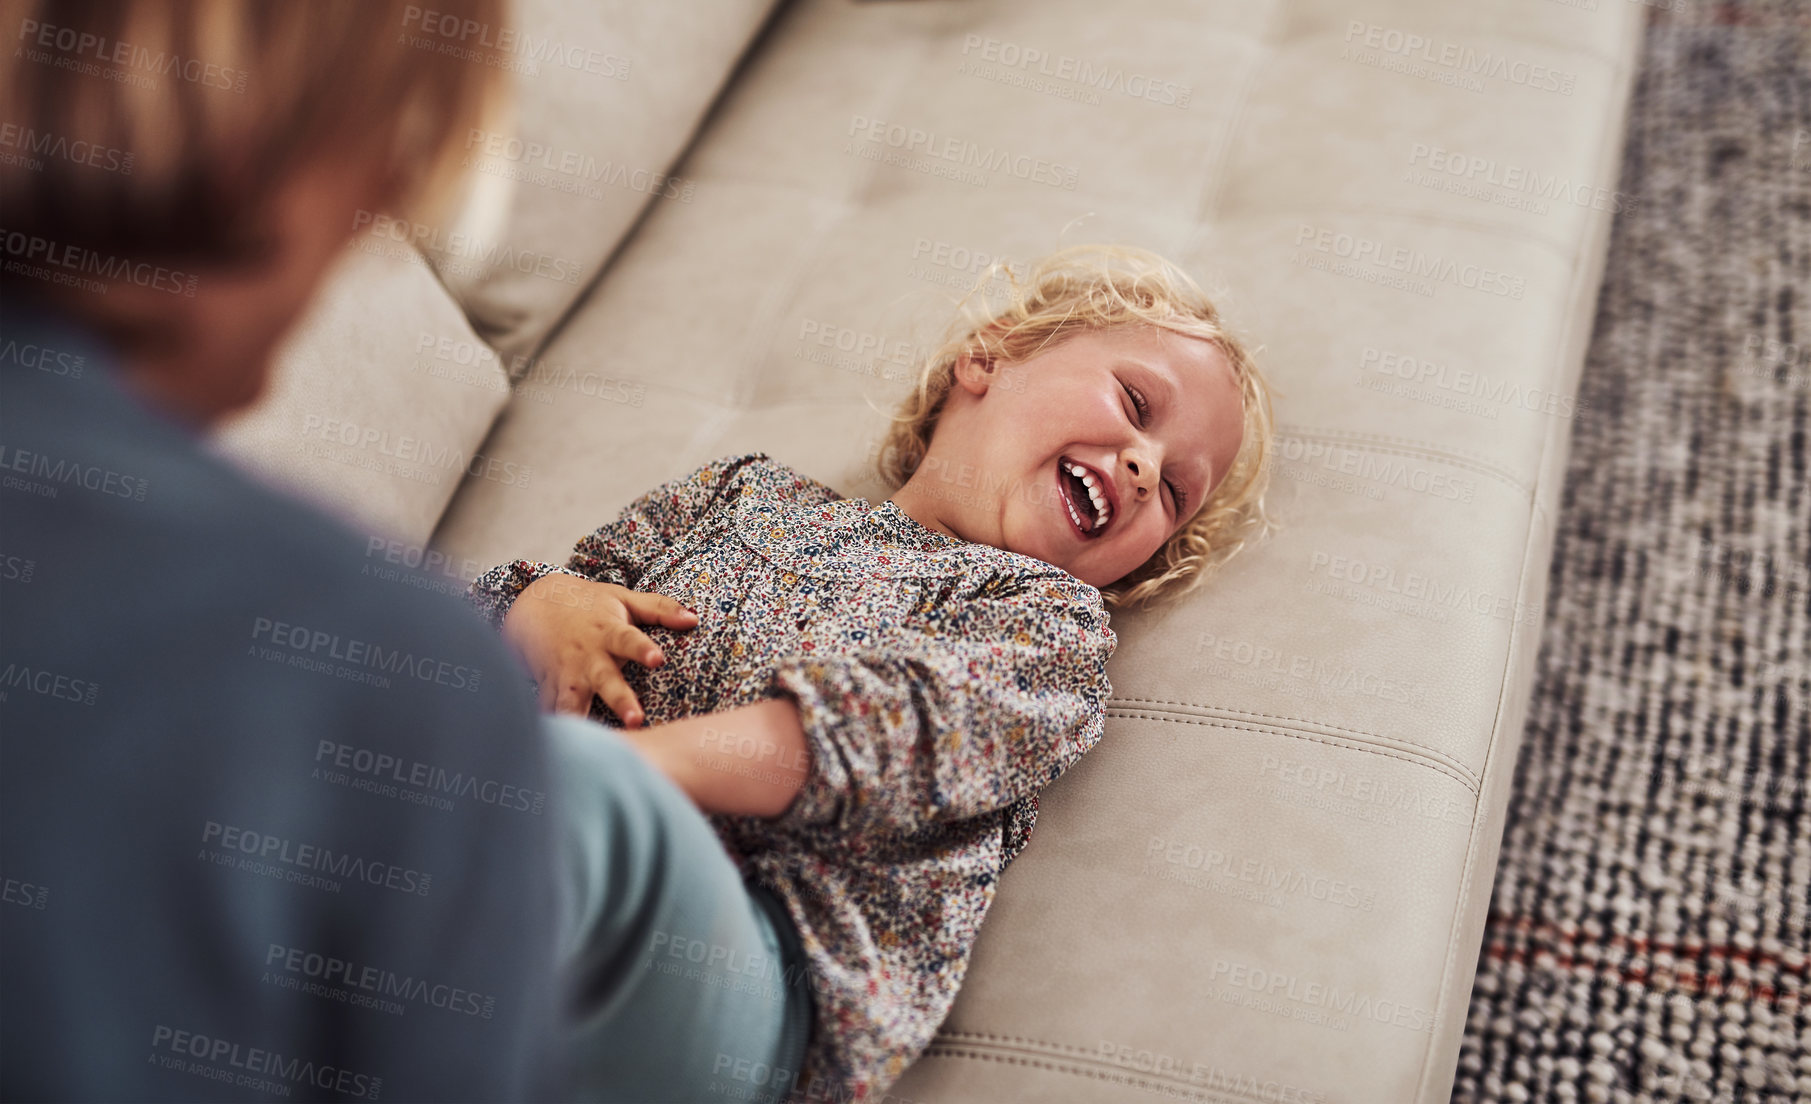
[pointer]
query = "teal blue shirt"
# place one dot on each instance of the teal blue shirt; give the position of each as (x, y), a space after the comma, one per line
(269, 814)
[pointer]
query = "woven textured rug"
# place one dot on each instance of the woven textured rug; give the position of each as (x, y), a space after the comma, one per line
(1649, 928)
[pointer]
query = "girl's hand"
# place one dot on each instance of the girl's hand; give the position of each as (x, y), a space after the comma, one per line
(575, 634)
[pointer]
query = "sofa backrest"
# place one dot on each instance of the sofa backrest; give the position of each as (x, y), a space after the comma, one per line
(383, 396)
(611, 93)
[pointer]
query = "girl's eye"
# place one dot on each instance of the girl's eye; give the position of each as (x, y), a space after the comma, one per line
(1138, 400)
(1144, 418)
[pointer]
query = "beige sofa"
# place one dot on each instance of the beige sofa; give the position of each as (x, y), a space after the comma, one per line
(733, 224)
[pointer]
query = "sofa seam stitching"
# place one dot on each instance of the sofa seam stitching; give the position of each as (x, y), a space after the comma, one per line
(1420, 450)
(1351, 733)
(1438, 768)
(952, 1051)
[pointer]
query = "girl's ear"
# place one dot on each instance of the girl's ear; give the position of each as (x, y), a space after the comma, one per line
(974, 371)
(977, 368)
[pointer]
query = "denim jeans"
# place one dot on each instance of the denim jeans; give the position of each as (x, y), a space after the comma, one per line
(687, 983)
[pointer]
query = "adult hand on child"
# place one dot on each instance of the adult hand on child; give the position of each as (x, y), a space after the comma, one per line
(575, 634)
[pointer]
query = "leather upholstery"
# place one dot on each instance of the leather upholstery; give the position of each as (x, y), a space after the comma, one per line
(1269, 881)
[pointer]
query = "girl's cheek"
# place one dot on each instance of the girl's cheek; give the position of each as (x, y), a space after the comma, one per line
(1151, 536)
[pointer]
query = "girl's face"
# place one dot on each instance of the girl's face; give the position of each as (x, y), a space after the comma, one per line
(1088, 455)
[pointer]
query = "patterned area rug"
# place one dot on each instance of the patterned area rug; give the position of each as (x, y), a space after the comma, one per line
(1649, 934)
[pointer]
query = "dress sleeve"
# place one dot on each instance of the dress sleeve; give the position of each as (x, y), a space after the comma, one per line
(620, 551)
(975, 702)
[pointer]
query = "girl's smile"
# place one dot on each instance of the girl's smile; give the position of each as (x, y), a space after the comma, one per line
(1089, 497)
(1119, 434)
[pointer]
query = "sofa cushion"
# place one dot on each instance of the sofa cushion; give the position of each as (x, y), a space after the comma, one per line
(379, 401)
(609, 94)
(1270, 880)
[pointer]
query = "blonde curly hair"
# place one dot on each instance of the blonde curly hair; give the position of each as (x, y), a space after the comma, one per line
(1091, 288)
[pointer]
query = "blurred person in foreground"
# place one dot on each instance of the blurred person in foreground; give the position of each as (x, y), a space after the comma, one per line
(234, 866)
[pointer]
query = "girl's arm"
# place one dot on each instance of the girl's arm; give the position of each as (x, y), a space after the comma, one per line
(751, 761)
(620, 551)
(983, 696)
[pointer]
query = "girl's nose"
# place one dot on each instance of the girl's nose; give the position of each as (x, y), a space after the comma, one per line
(1140, 480)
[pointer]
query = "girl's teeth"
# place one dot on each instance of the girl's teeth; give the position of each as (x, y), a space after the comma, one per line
(1095, 496)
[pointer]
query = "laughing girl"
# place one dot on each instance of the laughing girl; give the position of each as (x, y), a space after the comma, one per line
(864, 698)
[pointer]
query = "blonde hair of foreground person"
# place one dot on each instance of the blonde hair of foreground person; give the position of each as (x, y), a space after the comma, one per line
(1092, 288)
(195, 121)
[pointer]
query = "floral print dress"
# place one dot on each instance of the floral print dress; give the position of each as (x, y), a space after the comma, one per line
(941, 683)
